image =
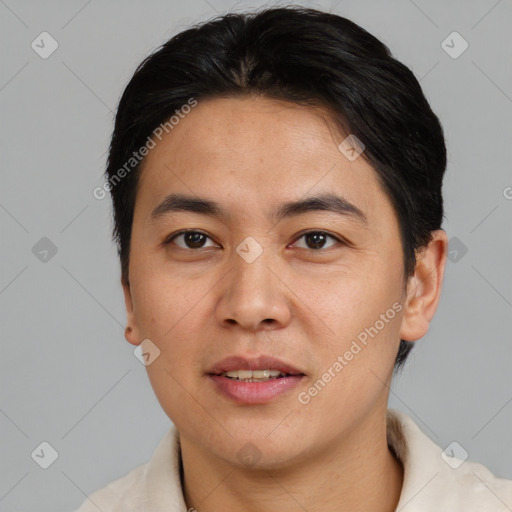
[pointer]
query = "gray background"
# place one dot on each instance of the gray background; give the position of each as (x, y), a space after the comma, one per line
(69, 378)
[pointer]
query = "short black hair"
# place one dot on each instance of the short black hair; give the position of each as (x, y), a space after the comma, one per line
(308, 57)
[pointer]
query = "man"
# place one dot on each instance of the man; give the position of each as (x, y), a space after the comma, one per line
(276, 181)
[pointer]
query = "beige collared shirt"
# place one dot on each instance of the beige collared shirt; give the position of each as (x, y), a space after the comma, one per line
(433, 481)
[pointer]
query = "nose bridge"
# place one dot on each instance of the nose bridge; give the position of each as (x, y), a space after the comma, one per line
(251, 270)
(252, 294)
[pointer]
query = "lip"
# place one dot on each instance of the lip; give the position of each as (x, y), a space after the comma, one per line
(258, 363)
(254, 392)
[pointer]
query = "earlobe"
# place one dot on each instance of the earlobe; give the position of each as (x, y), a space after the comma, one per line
(131, 332)
(424, 288)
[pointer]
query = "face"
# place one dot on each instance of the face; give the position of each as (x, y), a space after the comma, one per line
(305, 287)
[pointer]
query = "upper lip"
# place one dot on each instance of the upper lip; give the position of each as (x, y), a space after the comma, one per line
(258, 363)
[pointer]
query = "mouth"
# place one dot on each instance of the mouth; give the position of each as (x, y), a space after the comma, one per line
(254, 381)
(262, 368)
(256, 375)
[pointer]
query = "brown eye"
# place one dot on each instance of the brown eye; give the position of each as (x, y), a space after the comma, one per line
(190, 239)
(316, 240)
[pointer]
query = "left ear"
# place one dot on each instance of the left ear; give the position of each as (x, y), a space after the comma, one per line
(424, 288)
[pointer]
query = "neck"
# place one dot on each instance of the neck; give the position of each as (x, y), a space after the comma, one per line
(358, 473)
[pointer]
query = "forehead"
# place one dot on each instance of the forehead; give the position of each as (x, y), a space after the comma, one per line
(255, 151)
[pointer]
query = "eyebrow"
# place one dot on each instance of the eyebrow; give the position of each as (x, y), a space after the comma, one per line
(324, 202)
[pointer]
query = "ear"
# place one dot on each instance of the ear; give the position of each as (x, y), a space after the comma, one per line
(424, 288)
(131, 334)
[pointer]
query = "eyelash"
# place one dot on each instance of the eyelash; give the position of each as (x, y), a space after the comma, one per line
(340, 240)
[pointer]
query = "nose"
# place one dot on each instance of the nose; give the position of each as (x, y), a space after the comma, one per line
(254, 295)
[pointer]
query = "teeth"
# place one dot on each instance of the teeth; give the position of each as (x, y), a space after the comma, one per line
(253, 375)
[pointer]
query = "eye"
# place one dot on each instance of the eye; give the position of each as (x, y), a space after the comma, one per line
(190, 239)
(316, 240)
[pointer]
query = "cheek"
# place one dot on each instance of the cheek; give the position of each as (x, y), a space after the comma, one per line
(170, 314)
(164, 304)
(344, 304)
(355, 362)
(355, 317)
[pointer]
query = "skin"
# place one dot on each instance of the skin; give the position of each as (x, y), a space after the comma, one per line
(302, 304)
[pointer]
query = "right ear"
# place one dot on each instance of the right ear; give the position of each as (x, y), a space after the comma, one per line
(131, 333)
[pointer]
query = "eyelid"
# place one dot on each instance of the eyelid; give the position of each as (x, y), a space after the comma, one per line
(168, 239)
(336, 237)
(318, 230)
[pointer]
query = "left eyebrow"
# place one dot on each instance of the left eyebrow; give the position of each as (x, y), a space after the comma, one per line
(325, 202)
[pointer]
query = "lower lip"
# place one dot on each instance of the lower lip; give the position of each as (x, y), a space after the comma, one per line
(255, 392)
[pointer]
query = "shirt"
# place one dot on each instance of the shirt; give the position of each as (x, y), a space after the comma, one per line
(434, 480)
